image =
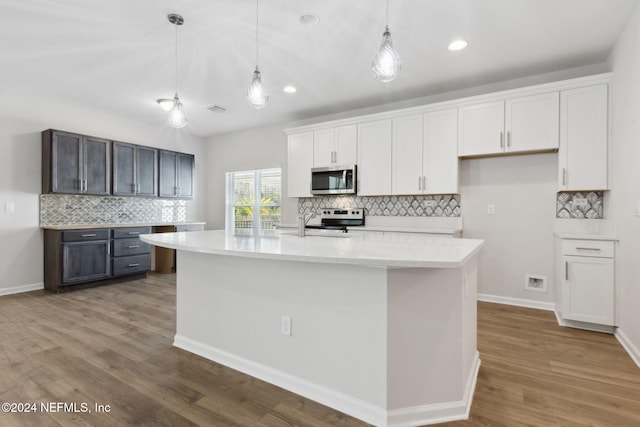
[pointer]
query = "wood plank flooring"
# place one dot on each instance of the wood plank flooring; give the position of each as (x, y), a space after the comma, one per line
(112, 346)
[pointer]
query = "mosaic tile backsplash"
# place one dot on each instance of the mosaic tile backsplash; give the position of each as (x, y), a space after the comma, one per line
(442, 205)
(581, 205)
(75, 210)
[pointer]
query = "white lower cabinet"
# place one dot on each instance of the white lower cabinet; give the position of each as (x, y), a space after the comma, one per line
(587, 281)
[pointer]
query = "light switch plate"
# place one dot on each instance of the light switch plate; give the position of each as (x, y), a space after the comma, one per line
(9, 207)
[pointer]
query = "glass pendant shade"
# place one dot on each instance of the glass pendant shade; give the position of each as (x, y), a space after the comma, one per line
(387, 63)
(177, 118)
(257, 95)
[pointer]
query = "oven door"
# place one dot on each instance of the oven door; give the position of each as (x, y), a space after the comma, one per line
(333, 180)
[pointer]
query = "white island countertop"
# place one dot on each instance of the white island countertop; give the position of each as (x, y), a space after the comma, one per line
(403, 251)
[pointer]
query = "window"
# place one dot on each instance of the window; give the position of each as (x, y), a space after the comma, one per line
(252, 200)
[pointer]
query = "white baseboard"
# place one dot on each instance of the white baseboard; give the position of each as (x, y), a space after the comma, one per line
(549, 306)
(628, 345)
(584, 325)
(372, 414)
(440, 412)
(22, 288)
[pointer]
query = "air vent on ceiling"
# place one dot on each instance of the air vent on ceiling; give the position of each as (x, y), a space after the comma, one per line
(214, 108)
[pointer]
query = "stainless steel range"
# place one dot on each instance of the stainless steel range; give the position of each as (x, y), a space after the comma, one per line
(339, 219)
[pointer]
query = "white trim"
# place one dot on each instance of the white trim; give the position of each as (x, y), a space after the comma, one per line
(439, 412)
(367, 412)
(520, 302)
(628, 345)
(22, 288)
(607, 329)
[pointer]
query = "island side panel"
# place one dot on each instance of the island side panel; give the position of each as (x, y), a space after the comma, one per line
(432, 339)
(229, 309)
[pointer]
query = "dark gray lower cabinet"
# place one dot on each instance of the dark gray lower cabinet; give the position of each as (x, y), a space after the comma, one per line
(74, 257)
(130, 254)
(85, 261)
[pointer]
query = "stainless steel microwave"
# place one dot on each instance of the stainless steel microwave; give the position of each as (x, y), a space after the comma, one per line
(334, 180)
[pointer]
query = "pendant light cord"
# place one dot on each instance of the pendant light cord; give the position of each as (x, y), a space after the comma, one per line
(387, 23)
(257, 45)
(176, 25)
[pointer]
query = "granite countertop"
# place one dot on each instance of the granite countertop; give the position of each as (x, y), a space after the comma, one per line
(85, 226)
(369, 249)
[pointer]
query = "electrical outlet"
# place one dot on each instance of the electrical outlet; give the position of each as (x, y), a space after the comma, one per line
(285, 325)
(9, 207)
(491, 209)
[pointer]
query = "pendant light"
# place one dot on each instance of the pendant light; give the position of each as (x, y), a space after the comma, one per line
(177, 118)
(387, 63)
(257, 95)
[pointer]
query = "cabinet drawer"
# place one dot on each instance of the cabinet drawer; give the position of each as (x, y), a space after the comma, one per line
(189, 227)
(85, 235)
(127, 232)
(133, 246)
(131, 264)
(588, 248)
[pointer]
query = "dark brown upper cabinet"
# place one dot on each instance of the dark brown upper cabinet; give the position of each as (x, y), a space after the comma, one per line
(176, 174)
(135, 170)
(75, 164)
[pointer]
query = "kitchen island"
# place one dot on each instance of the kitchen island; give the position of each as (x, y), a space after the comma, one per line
(381, 327)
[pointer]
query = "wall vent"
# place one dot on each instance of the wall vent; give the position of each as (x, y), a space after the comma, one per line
(214, 108)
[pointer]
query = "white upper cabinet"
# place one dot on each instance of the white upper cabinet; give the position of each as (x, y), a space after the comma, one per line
(532, 123)
(335, 146)
(481, 129)
(583, 153)
(440, 152)
(374, 158)
(425, 158)
(515, 125)
(299, 163)
(407, 173)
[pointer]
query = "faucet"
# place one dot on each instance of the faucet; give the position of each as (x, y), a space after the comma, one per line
(302, 222)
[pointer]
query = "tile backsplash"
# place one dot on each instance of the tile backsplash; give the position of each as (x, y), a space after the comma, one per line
(75, 210)
(580, 205)
(428, 206)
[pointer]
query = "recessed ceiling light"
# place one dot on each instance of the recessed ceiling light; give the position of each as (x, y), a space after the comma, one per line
(458, 45)
(309, 19)
(290, 89)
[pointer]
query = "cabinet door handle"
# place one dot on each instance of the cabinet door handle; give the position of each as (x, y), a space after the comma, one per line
(419, 183)
(564, 176)
(424, 183)
(501, 139)
(588, 249)
(566, 270)
(89, 235)
(133, 265)
(508, 139)
(133, 246)
(134, 232)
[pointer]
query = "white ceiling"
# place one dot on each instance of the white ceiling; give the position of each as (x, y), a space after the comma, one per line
(117, 56)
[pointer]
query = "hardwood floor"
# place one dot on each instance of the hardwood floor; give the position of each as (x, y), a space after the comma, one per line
(112, 346)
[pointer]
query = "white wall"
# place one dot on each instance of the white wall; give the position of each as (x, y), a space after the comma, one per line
(625, 174)
(21, 243)
(519, 236)
(258, 148)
